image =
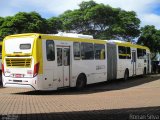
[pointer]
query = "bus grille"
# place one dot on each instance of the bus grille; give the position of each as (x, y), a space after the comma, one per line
(18, 62)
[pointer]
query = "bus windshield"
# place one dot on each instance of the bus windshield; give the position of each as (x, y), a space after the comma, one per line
(19, 45)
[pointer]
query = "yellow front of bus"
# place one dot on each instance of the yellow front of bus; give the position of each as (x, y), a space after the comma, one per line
(21, 61)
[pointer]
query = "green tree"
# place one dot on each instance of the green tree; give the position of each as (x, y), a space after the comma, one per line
(87, 5)
(127, 25)
(73, 20)
(54, 25)
(6, 27)
(1, 20)
(150, 37)
(23, 22)
(101, 21)
(29, 22)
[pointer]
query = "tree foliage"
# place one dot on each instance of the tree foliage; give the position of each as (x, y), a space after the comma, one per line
(23, 22)
(54, 25)
(6, 27)
(150, 37)
(101, 21)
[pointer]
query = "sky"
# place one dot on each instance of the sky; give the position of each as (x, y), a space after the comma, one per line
(148, 11)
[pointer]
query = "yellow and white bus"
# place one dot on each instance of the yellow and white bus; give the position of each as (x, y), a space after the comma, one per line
(50, 62)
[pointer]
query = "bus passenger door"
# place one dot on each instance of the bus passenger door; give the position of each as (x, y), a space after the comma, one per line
(63, 66)
(134, 62)
(66, 66)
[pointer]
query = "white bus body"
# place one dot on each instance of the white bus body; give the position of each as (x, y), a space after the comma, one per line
(21, 65)
(50, 62)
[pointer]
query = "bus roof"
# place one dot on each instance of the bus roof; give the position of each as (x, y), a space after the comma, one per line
(22, 35)
(55, 37)
(66, 38)
(127, 44)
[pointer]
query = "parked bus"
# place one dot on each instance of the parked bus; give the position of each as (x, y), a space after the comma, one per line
(50, 62)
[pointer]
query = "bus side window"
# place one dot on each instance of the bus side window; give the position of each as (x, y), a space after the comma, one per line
(122, 52)
(76, 50)
(144, 52)
(144, 55)
(59, 56)
(66, 57)
(128, 52)
(50, 50)
(102, 57)
(87, 52)
(99, 51)
(140, 53)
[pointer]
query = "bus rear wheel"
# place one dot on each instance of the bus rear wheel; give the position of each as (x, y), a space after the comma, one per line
(144, 71)
(126, 75)
(81, 82)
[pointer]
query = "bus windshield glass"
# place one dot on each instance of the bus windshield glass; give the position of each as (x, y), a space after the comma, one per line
(25, 46)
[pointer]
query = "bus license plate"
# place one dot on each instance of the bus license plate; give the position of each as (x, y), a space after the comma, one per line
(18, 75)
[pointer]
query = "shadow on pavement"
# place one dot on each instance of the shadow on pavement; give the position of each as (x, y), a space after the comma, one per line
(1, 85)
(118, 84)
(146, 113)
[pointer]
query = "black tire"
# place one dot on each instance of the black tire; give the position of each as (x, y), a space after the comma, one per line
(81, 82)
(144, 71)
(126, 75)
(158, 69)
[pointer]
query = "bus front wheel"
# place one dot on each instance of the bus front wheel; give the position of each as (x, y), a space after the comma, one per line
(81, 82)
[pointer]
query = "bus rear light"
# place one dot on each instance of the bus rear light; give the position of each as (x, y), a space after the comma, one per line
(2, 68)
(36, 69)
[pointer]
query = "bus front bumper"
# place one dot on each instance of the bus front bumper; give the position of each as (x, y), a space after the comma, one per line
(15, 85)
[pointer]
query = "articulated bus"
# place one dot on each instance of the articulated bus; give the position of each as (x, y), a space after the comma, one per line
(51, 62)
